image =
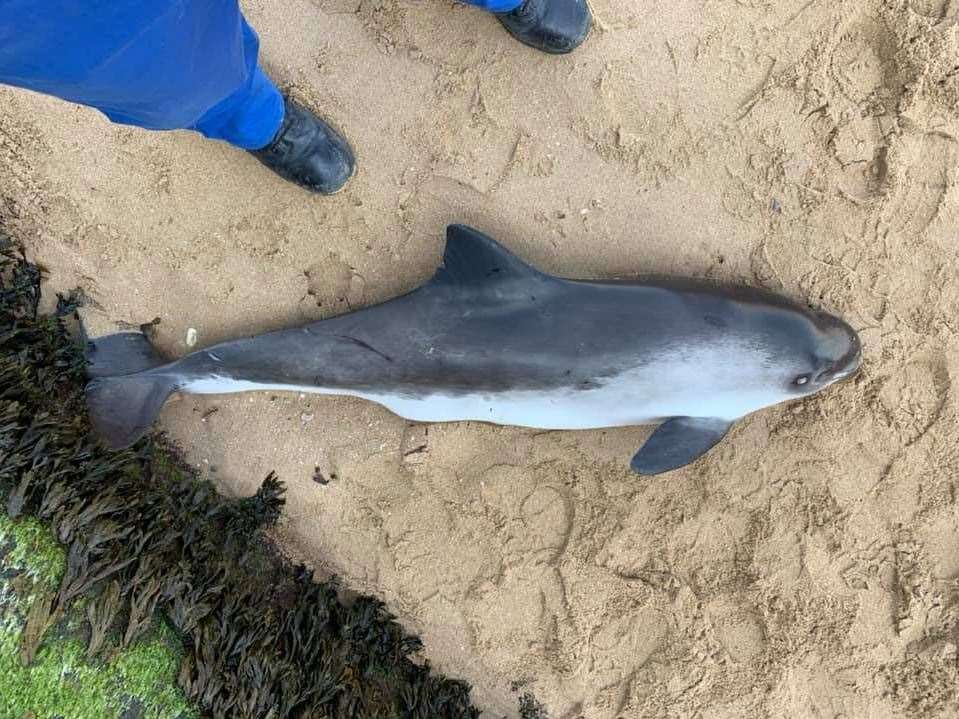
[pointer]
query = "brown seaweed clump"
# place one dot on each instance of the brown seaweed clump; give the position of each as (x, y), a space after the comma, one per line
(146, 537)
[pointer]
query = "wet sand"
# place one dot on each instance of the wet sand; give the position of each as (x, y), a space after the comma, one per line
(808, 566)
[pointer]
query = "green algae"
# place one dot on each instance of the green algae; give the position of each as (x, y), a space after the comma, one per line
(62, 681)
(35, 550)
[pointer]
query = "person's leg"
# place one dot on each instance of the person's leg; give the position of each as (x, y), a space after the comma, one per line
(249, 118)
(158, 64)
(553, 26)
(287, 138)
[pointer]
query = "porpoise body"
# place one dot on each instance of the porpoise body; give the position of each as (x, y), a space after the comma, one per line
(491, 339)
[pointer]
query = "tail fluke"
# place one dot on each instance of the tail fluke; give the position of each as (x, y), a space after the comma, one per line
(121, 354)
(124, 397)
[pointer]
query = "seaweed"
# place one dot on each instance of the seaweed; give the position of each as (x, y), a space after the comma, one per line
(145, 536)
(529, 708)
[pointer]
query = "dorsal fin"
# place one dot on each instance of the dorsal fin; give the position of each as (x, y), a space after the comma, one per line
(472, 259)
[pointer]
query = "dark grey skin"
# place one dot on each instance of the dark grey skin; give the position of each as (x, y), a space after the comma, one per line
(491, 339)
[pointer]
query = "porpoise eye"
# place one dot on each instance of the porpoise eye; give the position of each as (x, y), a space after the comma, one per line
(801, 380)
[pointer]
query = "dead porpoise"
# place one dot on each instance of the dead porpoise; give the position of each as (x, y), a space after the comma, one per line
(491, 339)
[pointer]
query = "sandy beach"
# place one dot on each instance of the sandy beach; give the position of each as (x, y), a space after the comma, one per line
(809, 567)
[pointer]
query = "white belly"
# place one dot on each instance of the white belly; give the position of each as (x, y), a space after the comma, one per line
(630, 399)
(539, 409)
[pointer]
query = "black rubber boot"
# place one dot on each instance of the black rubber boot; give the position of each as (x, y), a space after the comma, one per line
(553, 26)
(308, 152)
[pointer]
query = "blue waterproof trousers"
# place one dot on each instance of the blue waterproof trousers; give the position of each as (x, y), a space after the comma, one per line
(496, 5)
(157, 64)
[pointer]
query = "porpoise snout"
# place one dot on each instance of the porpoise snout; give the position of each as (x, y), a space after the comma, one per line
(842, 343)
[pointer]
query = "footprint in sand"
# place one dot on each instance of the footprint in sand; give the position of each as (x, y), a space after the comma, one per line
(915, 397)
(935, 9)
(864, 66)
(332, 282)
(928, 171)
